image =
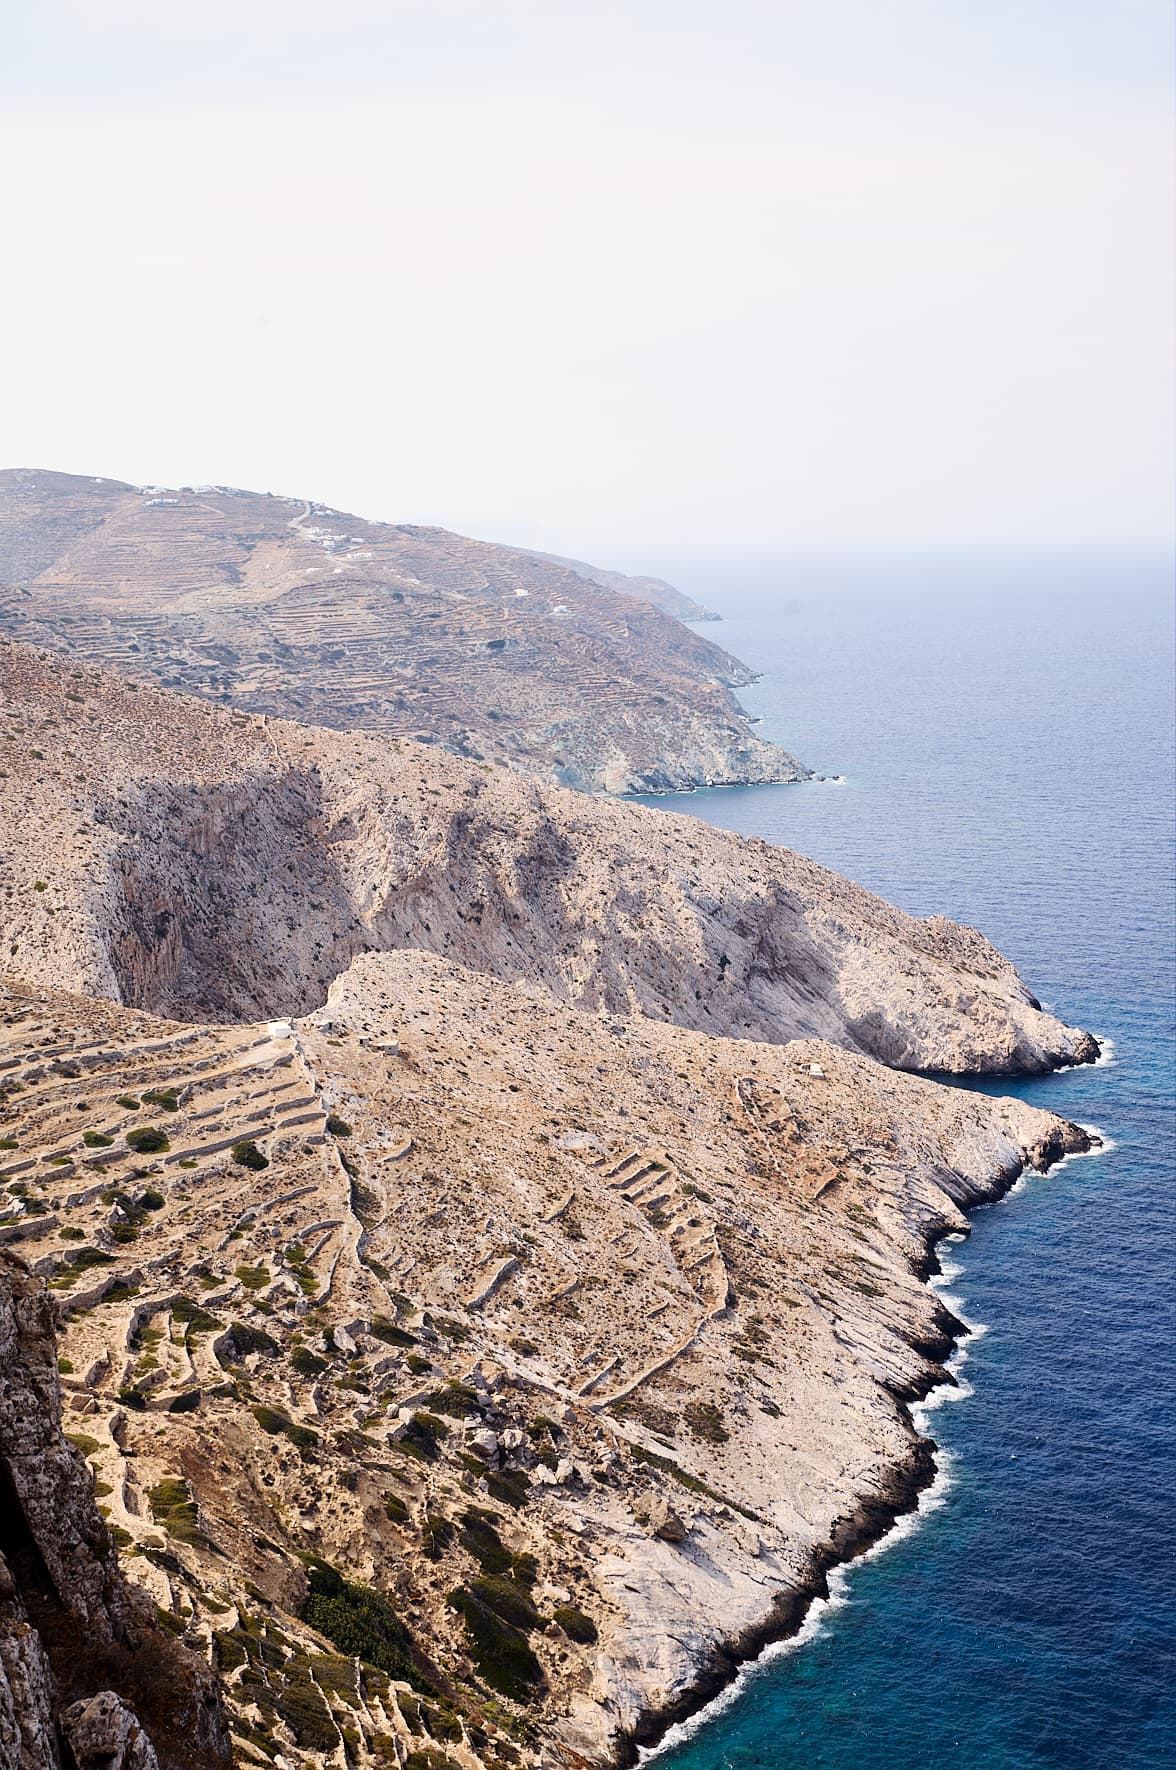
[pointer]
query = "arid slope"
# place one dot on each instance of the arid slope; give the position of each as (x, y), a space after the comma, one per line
(490, 1257)
(174, 856)
(585, 1345)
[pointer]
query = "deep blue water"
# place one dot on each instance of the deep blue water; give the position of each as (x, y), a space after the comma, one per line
(1006, 729)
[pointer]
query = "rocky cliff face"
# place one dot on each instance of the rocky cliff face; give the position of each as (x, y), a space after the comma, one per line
(281, 606)
(191, 861)
(88, 1678)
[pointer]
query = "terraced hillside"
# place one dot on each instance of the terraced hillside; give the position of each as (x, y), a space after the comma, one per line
(464, 1376)
(282, 606)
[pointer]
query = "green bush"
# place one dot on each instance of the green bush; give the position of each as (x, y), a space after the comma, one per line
(386, 1330)
(172, 1506)
(395, 1509)
(338, 1127)
(510, 1486)
(247, 1155)
(437, 1533)
(524, 1568)
(254, 1278)
(147, 1140)
(275, 1423)
(229, 1652)
(96, 1140)
(305, 1363)
(192, 1316)
(575, 1625)
(483, 1542)
(361, 1623)
(455, 1399)
(510, 1602)
(336, 1674)
(165, 1097)
(87, 1257)
(500, 1653)
(300, 1704)
(242, 1340)
(420, 1436)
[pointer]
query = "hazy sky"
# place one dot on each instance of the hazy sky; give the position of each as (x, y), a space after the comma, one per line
(602, 276)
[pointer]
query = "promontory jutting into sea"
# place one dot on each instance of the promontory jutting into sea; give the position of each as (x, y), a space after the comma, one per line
(587, 775)
(481, 1228)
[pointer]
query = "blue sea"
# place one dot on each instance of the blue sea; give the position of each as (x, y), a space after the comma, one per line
(1005, 729)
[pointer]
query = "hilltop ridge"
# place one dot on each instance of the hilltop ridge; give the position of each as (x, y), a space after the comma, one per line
(189, 860)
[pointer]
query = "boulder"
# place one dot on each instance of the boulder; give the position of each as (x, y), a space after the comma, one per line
(104, 1734)
(665, 1523)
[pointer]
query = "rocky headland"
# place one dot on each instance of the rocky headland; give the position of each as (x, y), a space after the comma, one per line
(486, 1227)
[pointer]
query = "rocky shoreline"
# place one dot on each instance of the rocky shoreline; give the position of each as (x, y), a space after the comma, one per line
(872, 1517)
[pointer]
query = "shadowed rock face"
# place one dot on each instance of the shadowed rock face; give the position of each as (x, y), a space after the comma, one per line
(70, 1627)
(176, 857)
(281, 606)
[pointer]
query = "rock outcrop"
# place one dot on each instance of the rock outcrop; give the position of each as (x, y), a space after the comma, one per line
(281, 606)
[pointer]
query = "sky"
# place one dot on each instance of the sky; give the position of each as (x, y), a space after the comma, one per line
(604, 278)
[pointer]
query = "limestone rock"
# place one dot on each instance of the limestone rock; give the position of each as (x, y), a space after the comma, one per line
(103, 1734)
(68, 1620)
(665, 1523)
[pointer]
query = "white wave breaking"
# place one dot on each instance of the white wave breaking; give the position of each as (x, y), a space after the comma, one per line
(1102, 1145)
(1107, 1058)
(821, 1610)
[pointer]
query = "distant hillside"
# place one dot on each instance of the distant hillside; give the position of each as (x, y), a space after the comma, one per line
(655, 590)
(282, 606)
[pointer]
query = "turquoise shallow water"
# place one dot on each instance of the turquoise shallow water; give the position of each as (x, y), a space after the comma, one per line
(1006, 730)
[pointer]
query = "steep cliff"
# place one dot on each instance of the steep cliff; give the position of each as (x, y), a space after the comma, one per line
(88, 1677)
